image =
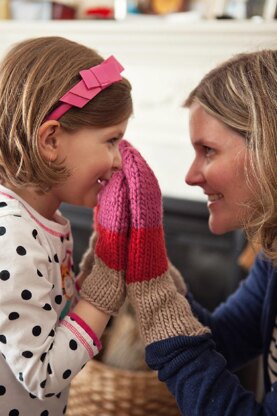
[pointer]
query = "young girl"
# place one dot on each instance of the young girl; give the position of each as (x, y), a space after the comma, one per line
(233, 129)
(63, 111)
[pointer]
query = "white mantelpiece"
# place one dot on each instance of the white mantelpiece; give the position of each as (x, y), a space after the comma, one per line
(164, 61)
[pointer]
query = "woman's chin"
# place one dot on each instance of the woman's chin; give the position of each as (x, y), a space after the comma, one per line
(220, 227)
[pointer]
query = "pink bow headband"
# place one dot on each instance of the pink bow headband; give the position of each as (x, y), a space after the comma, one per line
(94, 80)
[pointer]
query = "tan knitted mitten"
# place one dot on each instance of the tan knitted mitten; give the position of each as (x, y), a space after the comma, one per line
(87, 260)
(177, 279)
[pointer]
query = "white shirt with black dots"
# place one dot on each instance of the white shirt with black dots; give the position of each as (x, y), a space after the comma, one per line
(42, 346)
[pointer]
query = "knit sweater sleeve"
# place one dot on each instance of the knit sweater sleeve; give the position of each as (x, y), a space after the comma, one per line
(197, 377)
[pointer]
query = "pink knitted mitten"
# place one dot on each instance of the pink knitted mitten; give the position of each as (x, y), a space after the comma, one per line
(161, 311)
(104, 287)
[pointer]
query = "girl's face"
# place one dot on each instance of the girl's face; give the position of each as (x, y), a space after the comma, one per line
(219, 169)
(92, 155)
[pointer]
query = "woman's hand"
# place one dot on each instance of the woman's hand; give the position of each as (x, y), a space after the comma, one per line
(162, 312)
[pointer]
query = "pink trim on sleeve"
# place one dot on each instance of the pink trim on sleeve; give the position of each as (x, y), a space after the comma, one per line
(86, 328)
(78, 335)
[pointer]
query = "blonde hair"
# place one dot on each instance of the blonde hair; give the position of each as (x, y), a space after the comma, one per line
(33, 76)
(242, 93)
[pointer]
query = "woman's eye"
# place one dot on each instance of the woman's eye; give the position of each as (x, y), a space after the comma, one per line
(208, 150)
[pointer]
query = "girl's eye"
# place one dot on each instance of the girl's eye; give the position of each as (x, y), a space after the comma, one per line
(113, 140)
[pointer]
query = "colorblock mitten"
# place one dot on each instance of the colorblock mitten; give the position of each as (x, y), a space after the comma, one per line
(161, 311)
(87, 260)
(105, 286)
(177, 279)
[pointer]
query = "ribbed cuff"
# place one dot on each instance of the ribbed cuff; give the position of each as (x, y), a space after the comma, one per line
(161, 311)
(104, 288)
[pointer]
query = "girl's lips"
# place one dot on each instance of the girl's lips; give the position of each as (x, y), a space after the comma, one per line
(102, 182)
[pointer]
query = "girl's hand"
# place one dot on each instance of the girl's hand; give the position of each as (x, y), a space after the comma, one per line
(87, 260)
(104, 286)
(80, 279)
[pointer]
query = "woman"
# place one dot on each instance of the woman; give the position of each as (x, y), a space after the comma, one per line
(233, 130)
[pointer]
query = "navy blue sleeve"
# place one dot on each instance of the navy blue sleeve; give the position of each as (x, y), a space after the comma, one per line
(196, 372)
(197, 377)
(236, 323)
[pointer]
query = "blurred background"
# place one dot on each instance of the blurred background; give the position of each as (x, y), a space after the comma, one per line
(120, 9)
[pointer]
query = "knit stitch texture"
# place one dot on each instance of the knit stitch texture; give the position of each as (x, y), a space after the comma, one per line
(105, 286)
(131, 241)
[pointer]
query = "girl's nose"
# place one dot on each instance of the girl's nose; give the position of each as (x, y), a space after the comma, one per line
(194, 176)
(117, 163)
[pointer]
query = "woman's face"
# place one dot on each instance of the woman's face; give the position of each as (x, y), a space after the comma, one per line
(219, 169)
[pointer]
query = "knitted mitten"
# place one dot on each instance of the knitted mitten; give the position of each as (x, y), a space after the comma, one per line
(87, 260)
(177, 279)
(104, 287)
(161, 311)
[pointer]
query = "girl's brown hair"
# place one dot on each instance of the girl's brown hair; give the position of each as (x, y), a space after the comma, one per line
(33, 76)
(242, 93)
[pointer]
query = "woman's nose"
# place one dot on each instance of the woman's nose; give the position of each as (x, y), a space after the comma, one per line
(194, 176)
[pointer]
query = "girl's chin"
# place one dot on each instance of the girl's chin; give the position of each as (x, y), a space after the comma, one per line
(90, 201)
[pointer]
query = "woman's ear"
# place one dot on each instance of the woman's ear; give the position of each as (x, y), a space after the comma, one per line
(48, 140)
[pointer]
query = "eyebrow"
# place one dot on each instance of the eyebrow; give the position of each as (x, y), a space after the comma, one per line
(198, 142)
(203, 142)
(116, 134)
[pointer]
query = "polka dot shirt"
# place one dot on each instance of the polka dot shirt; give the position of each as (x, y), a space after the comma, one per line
(42, 344)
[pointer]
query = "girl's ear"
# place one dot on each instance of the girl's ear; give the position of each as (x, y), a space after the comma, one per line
(48, 140)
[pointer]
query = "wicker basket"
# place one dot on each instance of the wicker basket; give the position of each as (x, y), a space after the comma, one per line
(102, 390)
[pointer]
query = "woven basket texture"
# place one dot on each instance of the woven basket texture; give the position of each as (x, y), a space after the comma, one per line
(102, 390)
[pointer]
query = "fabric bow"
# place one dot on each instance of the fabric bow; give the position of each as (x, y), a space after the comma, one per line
(94, 80)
